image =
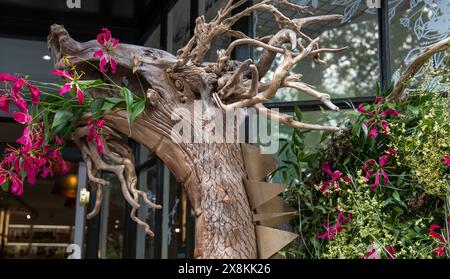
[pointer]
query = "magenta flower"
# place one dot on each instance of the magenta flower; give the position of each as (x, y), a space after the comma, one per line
(105, 54)
(22, 116)
(447, 160)
(94, 127)
(434, 234)
(371, 166)
(71, 84)
(58, 140)
(441, 250)
(4, 103)
(391, 251)
(16, 184)
(7, 77)
(332, 184)
(332, 230)
(18, 85)
(371, 254)
(377, 118)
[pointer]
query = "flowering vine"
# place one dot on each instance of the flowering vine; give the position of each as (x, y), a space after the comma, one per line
(73, 83)
(332, 184)
(94, 127)
(372, 166)
(50, 119)
(377, 117)
(332, 230)
(105, 54)
(441, 250)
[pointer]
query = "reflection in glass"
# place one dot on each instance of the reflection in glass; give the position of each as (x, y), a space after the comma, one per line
(351, 73)
(415, 25)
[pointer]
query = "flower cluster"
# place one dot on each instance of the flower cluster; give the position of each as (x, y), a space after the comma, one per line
(372, 253)
(32, 157)
(446, 160)
(105, 54)
(441, 250)
(95, 127)
(72, 82)
(377, 118)
(372, 166)
(332, 184)
(13, 92)
(332, 230)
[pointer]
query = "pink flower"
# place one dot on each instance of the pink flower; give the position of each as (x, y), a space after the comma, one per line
(332, 230)
(94, 127)
(3, 176)
(441, 250)
(371, 254)
(391, 251)
(71, 84)
(334, 182)
(377, 118)
(434, 234)
(60, 163)
(447, 160)
(16, 184)
(372, 166)
(7, 77)
(18, 85)
(15, 95)
(58, 140)
(23, 118)
(108, 44)
(25, 140)
(4, 103)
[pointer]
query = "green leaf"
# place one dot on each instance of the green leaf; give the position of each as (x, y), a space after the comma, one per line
(62, 117)
(128, 96)
(396, 196)
(364, 128)
(137, 110)
(96, 107)
(5, 186)
(298, 114)
(114, 100)
(85, 84)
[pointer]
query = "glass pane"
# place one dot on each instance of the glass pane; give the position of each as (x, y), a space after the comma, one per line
(112, 219)
(351, 73)
(313, 138)
(147, 183)
(209, 9)
(415, 25)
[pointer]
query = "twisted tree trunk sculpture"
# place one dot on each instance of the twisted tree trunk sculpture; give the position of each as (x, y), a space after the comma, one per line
(214, 175)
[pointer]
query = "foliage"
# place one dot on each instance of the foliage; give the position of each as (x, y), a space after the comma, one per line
(51, 112)
(392, 182)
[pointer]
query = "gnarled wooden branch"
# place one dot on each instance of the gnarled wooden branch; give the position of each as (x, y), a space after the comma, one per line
(123, 168)
(399, 91)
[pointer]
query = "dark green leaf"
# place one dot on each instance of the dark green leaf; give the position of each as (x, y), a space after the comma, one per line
(5, 186)
(137, 109)
(85, 84)
(298, 114)
(62, 117)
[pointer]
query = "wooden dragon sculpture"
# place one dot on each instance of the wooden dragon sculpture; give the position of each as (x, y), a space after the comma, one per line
(235, 208)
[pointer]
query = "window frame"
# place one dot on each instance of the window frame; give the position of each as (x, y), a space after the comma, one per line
(385, 72)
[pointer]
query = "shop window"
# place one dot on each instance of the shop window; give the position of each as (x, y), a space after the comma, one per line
(414, 25)
(351, 73)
